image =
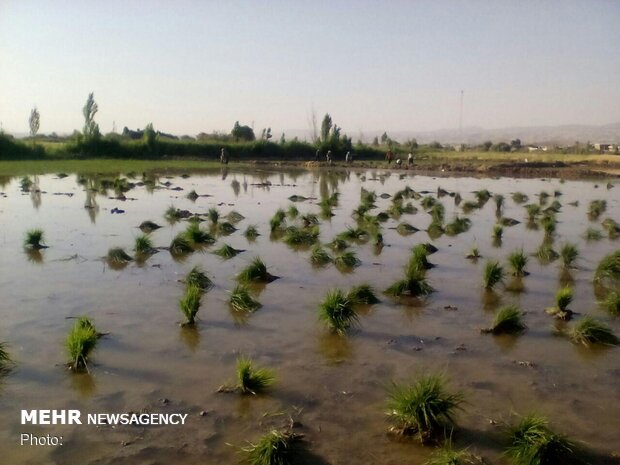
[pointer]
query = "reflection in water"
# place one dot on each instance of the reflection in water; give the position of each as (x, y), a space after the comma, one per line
(190, 336)
(35, 193)
(34, 255)
(516, 285)
(224, 173)
(235, 187)
(506, 342)
(83, 383)
(566, 278)
(490, 300)
(90, 204)
(335, 348)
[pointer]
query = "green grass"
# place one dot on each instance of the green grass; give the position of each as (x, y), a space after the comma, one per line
(498, 231)
(414, 283)
(612, 227)
(597, 207)
(292, 212)
(589, 331)
(301, 236)
(457, 226)
(274, 448)
(469, 206)
(563, 298)
(338, 244)
(251, 232)
(148, 226)
(518, 262)
(190, 303)
(213, 214)
(405, 229)
(277, 220)
(608, 268)
(256, 271)
(226, 251)
(508, 320)
(337, 312)
(143, 245)
(346, 260)
(611, 303)
(198, 236)
(593, 234)
(181, 245)
(5, 357)
(251, 380)
(352, 234)
(493, 274)
(435, 230)
(197, 277)
(499, 201)
(569, 254)
(34, 239)
(80, 343)
(519, 197)
(242, 301)
(532, 442)
(437, 212)
(549, 224)
(419, 258)
(482, 196)
(309, 219)
(118, 256)
(425, 407)
(533, 210)
(545, 253)
(474, 253)
(362, 294)
(224, 228)
(446, 455)
(319, 256)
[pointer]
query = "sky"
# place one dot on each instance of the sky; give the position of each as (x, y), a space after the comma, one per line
(194, 66)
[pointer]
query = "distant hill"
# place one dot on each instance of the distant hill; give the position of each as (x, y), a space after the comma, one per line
(560, 135)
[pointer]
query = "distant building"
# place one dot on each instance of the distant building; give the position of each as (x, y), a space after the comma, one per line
(534, 148)
(609, 148)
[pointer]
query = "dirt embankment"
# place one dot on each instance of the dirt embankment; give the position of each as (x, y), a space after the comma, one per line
(556, 169)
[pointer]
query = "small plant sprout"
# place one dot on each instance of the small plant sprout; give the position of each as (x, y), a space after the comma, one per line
(593, 234)
(589, 331)
(292, 212)
(611, 303)
(545, 253)
(256, 271)
(508, 320)
(242, 301)
(274, 448)
(148, 226)
(338, 244)
(80, 342)
(424, 408)
(144, 245)
(251, 232)
(474, 253)
(518, 262)
(181, 245)
(532, 442)
(608, 268)
(197, 277)
(226, 252)
(190, 303)
(34, 239)
(337, 312)
(493, 274)
(533, 210)
(319, 256)
(118, 256)
(252, 380)
(363, 294)
(457, 226)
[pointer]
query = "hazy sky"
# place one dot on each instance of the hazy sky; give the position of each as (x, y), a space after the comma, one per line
(191, 66)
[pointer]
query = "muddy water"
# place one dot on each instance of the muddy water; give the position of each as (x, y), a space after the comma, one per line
(335, 387)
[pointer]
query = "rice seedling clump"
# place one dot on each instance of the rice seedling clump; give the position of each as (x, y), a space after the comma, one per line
(493, 274)
(256, 271)
(362, 294)
(251, 380)
(242, 301)
(589, 331)
(508, 320)
(319, 256)
(425, 408)
(80, 343)
(197, 277)
(34, 239)
(190, 303)
(533, 442)
(274, 448)
(337, 311)
(518, 262)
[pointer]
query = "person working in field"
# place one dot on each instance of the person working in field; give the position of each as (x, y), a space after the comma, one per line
(389, 156)
(328, 157)
(223, 157)
(410, 160)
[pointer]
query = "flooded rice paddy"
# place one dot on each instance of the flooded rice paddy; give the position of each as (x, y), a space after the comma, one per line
(333, 388)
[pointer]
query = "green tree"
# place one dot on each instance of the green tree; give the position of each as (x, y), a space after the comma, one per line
(326, 126)
(91, 129)
(150, 137)
(384, 138)
(35, 122)
(375, 142)
(244, 133)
